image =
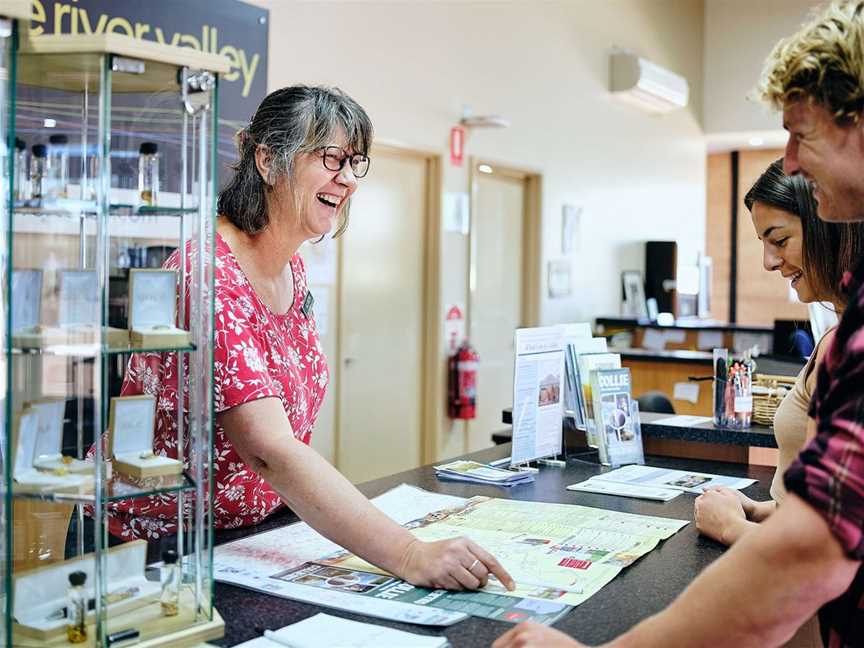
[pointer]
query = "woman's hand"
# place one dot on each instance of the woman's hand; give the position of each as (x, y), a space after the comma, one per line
(527, 635)
(459, 564)
(720, 514)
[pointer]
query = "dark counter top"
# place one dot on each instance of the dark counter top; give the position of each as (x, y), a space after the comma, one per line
(689, 324)
(760, 436)
(772, 365)
(639, 591)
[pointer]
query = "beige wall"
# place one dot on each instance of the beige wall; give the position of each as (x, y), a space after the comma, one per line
(739, 34)
(543, 65)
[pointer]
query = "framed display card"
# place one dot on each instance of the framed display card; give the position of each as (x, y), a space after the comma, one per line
(153, 309)
(79, 298)
(131, 423)
(27, 300)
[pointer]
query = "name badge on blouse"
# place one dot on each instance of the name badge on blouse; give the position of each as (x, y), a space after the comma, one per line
(308, 302)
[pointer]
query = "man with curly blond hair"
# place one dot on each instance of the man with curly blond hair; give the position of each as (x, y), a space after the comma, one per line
(807, 556)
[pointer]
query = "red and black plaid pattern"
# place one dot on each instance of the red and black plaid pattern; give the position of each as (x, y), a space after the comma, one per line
(829, 472)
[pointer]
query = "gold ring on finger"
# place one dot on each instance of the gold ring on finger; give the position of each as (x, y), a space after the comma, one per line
(473, 564)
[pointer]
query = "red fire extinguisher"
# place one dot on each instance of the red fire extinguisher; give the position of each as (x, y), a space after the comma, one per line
(462, 383)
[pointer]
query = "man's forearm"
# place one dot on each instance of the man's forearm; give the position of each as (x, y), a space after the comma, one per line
(759, 592)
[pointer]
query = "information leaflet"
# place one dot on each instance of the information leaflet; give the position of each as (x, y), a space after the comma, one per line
(537, 393)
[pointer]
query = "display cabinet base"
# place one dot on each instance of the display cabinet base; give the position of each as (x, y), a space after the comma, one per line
(155, 629)
(157, 338)
(172, 467)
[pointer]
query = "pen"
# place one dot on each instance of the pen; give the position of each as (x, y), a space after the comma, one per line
(272, 636)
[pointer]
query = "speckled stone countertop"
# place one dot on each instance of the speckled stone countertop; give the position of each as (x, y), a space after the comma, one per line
(639, 591)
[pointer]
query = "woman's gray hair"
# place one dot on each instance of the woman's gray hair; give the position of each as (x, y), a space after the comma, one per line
(293, 120)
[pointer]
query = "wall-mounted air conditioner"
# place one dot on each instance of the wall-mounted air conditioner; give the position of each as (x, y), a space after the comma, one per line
(646, 84)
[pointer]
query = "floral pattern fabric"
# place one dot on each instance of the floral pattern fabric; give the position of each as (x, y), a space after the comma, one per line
(257, 354)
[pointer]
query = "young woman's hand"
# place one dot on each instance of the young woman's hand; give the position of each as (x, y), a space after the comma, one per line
(719, 514)
(458, 564)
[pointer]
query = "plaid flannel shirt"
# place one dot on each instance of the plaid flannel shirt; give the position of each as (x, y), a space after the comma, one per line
(829, 472)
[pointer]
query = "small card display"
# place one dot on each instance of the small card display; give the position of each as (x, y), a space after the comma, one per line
(79, 298)
(153, 309)
(152, 298)
(26, 299)
(132, 421)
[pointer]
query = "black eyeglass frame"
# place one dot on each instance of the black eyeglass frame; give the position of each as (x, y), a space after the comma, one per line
(355, 160)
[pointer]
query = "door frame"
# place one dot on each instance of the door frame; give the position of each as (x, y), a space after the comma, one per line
(532, 233)
(431, 387)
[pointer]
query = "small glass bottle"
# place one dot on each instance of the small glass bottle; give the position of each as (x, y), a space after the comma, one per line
(170, 598)
(76, 608)
(58, 166)
(148, 173)
(38, 164)
(20, 171)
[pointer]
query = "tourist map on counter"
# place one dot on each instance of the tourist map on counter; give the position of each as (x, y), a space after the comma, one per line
(559, 555)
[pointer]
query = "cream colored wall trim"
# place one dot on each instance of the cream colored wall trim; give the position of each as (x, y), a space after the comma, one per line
(122, 45)
(15, 9)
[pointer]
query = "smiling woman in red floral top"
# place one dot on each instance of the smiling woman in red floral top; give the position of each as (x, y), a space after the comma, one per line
(300, 160)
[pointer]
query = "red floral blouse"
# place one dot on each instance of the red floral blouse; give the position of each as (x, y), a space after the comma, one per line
(257, 354)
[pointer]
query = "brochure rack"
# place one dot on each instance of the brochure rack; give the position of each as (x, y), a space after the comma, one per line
(75, 111)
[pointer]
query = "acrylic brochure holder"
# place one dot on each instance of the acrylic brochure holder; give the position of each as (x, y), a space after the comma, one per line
(40, 594)
(538, 385)
(153, 309)
(132, 420)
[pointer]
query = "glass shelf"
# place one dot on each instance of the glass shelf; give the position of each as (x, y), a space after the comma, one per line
(93, 350)
(119, 487)
(82, 208)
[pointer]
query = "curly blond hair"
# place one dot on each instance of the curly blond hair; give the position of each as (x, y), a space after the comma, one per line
(824, 61)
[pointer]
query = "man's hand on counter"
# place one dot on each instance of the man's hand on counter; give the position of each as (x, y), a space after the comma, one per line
(720, 515)
(458, 564)
(532, 635)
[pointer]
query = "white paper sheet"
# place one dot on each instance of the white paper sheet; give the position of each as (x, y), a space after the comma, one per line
(687, 481)
(686, 391)
(707, 340)
(653, 340)
(326, 631)
(538, 390)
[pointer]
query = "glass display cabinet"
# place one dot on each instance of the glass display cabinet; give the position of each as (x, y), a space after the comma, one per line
(108, 233)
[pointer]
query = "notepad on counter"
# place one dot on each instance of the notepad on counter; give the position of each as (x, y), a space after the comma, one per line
(478, 473)
(326, 631)
(602, 487)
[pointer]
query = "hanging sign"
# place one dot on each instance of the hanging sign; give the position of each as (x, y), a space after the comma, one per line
(454, 326)
(457, 145)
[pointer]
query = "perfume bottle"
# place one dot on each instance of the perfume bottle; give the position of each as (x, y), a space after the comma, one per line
(58, 166)
(76, 608)
(148, 173)
(20, 174)
(38, 164)
(170, 598)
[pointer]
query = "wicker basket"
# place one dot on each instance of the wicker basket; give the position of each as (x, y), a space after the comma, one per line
(768, 393)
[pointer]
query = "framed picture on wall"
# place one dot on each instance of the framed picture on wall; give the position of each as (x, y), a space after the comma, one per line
(634, 294)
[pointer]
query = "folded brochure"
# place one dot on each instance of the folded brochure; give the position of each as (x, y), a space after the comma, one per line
(478, 473)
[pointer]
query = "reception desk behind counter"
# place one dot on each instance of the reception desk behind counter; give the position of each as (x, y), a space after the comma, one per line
(683, 436)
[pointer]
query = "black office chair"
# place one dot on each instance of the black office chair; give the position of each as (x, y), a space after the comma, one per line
(655, 401)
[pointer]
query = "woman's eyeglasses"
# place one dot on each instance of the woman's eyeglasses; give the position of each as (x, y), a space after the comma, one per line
(334, 159)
